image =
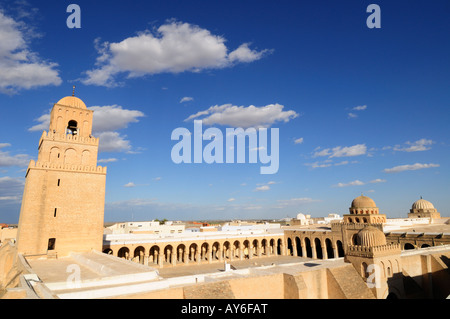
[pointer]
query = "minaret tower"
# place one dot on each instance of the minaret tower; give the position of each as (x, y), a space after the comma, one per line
(63, 200)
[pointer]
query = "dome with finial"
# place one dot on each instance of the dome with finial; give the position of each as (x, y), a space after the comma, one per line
(422, 204)
(72, 101)
(370, 236)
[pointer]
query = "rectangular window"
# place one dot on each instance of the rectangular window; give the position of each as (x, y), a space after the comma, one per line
(59, 181)
(51, 243)
(54, 213)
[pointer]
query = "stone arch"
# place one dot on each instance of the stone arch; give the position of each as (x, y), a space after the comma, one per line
(329, 248)
(55, 155)
(108, 251)
(264, 248)
(85, 157)
(227, 250)
(308, 247)
(318, 244)
(340, 248)
(216, 251)
(154, 254)
(236, 249)
(299, 246)
(181, 253)
(408, 246)
(279, 246)
(255, 248)
(138, 255)
(124, 252)
(193, 252)
(70, 156)
(290, 248)
(424, 246)
(204, 251)
(168, 251)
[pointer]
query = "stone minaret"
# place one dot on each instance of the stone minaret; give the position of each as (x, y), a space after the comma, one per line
(64, 195)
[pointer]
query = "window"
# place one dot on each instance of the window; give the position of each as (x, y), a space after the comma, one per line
(59, 181)
(51, 243)
(54, 213)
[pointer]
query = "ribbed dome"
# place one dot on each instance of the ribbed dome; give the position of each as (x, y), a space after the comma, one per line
(422, 204)
(72, 101)
(363, 202)
(301, 216)
(371, 236)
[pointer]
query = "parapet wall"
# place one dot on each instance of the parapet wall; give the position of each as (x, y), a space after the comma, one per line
(68, 138)
(67, 167)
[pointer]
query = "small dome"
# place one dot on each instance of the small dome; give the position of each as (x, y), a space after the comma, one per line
(371, 236)
(422, 204)
(301, 216)
(72, 101)
(363, 202)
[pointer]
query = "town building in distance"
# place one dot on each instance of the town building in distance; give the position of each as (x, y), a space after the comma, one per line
(362, 255)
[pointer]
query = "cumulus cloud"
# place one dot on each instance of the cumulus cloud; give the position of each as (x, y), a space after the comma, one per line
(339, 151)
(21, 68)
(360, 183)
(107, 160)
(130, 184)
(113, 117)
(282, 203)
(409, 167)
(245, 117)
(186, 99)
(262, 188)
(6, 159)
(172, 48)
(11, 189)
(298, 140)
(358, 108)
(419, 145)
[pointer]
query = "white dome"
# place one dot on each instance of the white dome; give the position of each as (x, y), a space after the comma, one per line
(301, 216)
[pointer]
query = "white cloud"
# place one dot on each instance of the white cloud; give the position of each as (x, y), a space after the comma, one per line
(231, 199)
(130, 184)
(6, 159)
(410, 167)
(107, 160)
(241, 116)
(339, 151)
(112, 142)
(174, 47)
(262, 188)
(11, 189)
(329, 163)
(359, 183)
(360, 108)
(352, 115)
(353, 183)
(245, 54)
(186, 99)
(113, 117)
(419, 145)
(282, 203)
(21, 68)
(299, 140)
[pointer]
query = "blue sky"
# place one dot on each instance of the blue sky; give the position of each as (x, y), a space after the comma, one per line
(358, 110)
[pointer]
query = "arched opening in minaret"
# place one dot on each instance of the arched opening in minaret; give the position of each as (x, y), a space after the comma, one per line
(72, 127)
